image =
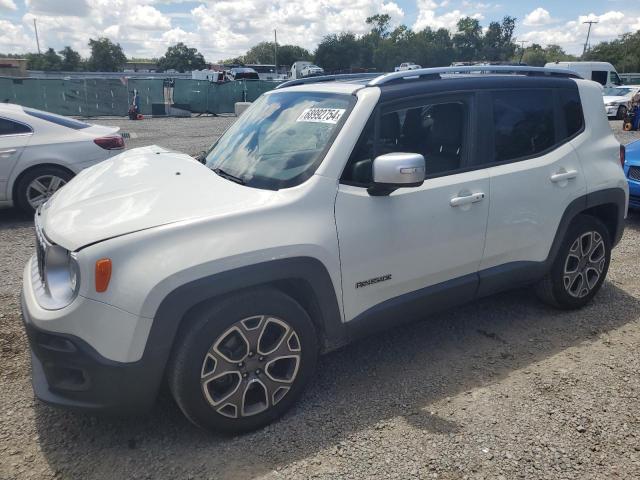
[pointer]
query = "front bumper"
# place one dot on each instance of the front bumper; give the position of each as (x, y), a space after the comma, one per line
(612, 110)
(68, 372)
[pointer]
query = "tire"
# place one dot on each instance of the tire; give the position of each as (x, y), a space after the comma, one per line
(258, 387)
(580, 267)
(49, 179)
(622, 112)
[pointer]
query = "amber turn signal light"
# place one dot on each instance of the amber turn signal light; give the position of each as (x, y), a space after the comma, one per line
(103, 274)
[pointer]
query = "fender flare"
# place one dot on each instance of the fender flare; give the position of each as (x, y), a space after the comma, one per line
(176, 305)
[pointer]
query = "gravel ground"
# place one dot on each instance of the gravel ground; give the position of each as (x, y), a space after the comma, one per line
(185, 135)
(503, 388)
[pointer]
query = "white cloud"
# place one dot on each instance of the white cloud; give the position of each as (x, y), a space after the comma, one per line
(428, 17)
(78, 8)
(147, 17)
(572, 34)
(537, 17)
(230, 28)
(13, 38)
(8, 5)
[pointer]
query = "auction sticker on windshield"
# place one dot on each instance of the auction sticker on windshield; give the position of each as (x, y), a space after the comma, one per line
(321, 115)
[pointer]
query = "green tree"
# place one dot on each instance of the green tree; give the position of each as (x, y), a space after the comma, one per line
(338, 52)
(264, 52)
(47, 61)
(623, 53)
(497, 43)
(434, 47)
(468, 39)
(536, 56)
(71, 60)
(106, 56)
(182, 58)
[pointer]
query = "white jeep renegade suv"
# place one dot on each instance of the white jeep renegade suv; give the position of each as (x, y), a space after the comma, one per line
(329, 210)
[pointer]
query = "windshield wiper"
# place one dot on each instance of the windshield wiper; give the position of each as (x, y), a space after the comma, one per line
(228, 176)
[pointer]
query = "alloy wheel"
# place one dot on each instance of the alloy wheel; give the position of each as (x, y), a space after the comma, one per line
(251, 366)
(584, 264)
(42, 188)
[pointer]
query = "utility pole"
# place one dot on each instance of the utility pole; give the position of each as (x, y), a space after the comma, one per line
(35, 27)
(522, 42)
(275, 50)
(586, 44)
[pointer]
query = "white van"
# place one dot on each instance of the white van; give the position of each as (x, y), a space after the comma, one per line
(602, 72)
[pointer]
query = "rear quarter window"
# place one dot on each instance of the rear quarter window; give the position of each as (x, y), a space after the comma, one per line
(571, 112)
(9, 127)
(57, 119)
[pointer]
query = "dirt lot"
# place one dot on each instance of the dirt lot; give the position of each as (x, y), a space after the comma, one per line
(502, 388)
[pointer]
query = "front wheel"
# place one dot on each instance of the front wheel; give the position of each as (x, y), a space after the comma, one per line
(622, 112)
(38, 185)
(580, 267)
(242, 362)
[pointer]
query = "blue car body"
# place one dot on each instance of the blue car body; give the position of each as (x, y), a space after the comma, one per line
(632, 172)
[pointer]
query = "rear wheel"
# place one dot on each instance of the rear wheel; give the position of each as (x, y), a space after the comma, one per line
(38, 185)
(242, 362)
(580, 267)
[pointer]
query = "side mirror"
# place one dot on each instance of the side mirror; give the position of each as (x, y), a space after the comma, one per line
(396, 170)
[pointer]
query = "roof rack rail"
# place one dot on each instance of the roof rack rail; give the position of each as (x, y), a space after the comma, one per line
(427, 73)
(327, 78)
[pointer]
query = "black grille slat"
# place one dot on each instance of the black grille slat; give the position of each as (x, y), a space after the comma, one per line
(634, 173)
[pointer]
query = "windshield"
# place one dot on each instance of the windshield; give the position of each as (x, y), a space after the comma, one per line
(281, 139)
(617, 92)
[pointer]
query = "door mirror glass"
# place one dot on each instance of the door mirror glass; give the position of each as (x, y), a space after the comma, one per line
(396, 170)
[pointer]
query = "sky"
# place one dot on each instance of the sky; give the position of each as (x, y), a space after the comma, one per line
(228, 28)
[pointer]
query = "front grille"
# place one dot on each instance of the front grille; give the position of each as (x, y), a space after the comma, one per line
(634, 173)
(41, 247)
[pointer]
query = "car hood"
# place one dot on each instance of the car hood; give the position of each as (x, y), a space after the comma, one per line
(617, 99)
(139, 189)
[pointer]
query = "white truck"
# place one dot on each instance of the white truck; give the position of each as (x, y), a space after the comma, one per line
(602, 72)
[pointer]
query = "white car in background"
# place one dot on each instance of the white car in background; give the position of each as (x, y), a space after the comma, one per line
(407, 66)
(311, 71)
(41, 151)
(616, 100)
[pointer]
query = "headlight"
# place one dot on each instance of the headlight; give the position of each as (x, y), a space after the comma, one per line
(62, 275)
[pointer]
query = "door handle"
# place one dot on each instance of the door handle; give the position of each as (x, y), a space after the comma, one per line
(467, 199)
(563, 175)
(7, 152)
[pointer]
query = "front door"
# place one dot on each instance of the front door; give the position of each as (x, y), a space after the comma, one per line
(392, 248)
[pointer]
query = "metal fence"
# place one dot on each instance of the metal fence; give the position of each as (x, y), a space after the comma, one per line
(97, 97)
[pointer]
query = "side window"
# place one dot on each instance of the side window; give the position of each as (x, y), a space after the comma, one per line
(434, 130)
(571, 111)
(600, 76)
(7, 127)
(615, 79)
(358, 169)
(523, 123)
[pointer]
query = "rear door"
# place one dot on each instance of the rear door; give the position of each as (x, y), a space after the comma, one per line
(536, 172)
(14, 137)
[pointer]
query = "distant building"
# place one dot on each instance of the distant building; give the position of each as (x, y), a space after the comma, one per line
(13, 67)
